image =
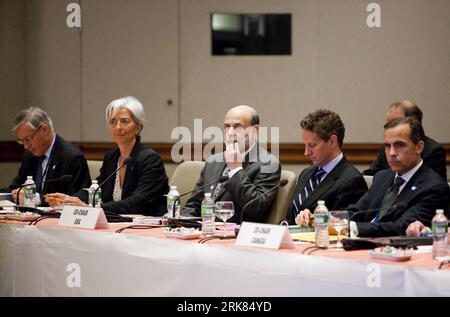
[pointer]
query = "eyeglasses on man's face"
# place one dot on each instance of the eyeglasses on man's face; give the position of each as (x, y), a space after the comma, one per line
(29, 138)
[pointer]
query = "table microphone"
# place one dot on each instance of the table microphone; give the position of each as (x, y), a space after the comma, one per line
(400, 207)
(221, 179)
(125, 162)
(282, 183)
(397, 207)
(64, 178)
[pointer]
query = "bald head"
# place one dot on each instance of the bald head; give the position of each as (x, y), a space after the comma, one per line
(245, 113)
(241, 125)
(404, 108)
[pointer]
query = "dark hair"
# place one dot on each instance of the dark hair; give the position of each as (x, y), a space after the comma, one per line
(325, 123)
(254, 119)
(410, 109)
(416, 130)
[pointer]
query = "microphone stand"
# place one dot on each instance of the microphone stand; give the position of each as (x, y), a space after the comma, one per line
(127, 161)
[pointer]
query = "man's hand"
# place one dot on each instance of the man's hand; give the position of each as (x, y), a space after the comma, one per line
(58, 199)
(416, 228)
(21, 196)
(304, 218)
(233, 157)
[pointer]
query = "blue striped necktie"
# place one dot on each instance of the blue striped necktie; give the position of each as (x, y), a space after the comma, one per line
(311, 185)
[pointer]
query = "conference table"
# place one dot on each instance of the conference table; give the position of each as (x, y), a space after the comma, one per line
(51, 260)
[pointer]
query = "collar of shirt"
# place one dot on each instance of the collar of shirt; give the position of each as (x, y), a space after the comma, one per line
(407, 176)
(332, 164)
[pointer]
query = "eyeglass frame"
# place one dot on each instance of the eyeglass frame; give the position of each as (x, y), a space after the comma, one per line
(29, 138)
(123, 122)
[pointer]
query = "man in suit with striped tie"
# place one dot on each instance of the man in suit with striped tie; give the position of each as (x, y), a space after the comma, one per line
(331, 178)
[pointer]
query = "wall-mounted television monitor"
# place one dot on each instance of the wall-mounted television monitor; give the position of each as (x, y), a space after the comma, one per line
(251, 34)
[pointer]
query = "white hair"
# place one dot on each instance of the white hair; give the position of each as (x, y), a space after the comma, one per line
(34, 117)
(130, 103)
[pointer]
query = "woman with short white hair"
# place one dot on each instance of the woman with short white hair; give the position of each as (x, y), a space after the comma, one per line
(140, 186)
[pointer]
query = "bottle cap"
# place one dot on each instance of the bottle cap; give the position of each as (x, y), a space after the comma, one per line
(173, 187)
(207, 195)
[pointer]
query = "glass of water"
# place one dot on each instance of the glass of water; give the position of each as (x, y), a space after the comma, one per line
(224, 211)
(339, 221)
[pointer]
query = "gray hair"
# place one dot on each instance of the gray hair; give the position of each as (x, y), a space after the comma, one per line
(130, 103)
(34, 117)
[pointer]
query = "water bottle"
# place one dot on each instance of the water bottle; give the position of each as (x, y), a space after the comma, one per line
(173, 198)
(208, 216)
(321, 217)
(98, 194)
(439, 227)
(30, 193)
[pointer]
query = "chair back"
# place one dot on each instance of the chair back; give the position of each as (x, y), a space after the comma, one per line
(185, 177)
(281, 204)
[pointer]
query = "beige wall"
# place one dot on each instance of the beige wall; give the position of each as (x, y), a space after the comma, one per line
(13, 90)
(159, 50)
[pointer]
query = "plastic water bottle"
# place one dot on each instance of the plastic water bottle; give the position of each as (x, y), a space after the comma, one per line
(98, 194)
(208, 215)
(173, 198)
(321, 217)
(439, 227)
(30, 192)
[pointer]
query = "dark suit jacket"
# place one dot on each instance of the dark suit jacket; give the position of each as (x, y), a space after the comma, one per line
(342, 186)
(433, 155)
(144, 186)
(261, 172)
(425, 192)
(66, 158)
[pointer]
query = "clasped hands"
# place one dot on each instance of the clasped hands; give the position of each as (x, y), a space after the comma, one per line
(305, 218)
(58, 199)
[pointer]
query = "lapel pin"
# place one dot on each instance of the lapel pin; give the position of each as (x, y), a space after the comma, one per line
(413, 188)
(54, 166)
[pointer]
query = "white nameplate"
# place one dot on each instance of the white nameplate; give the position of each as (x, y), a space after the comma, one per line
(83, 217)
(260, 235)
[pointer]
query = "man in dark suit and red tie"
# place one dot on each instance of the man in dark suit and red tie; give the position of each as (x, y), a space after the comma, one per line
(409, 191)
(331, 178)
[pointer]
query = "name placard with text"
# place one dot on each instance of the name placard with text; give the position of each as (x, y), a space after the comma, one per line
(83, 217)
(260, 235)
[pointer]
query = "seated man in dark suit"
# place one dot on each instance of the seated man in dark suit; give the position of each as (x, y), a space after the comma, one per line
(433, 153)
(250, 168)
(47, 156)
(331, 178)
(408, 191)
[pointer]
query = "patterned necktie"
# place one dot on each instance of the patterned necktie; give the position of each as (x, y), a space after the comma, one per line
(311, 185)
(219, 185)
(39, 174)
(390, 196)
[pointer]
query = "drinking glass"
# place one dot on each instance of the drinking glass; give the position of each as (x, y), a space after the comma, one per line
(339, 221)
(224, 211)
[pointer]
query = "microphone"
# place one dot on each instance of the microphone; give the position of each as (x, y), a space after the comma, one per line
(282, 183)
(397, 207)
(125, 162)
(221, 179)
(64, 178)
